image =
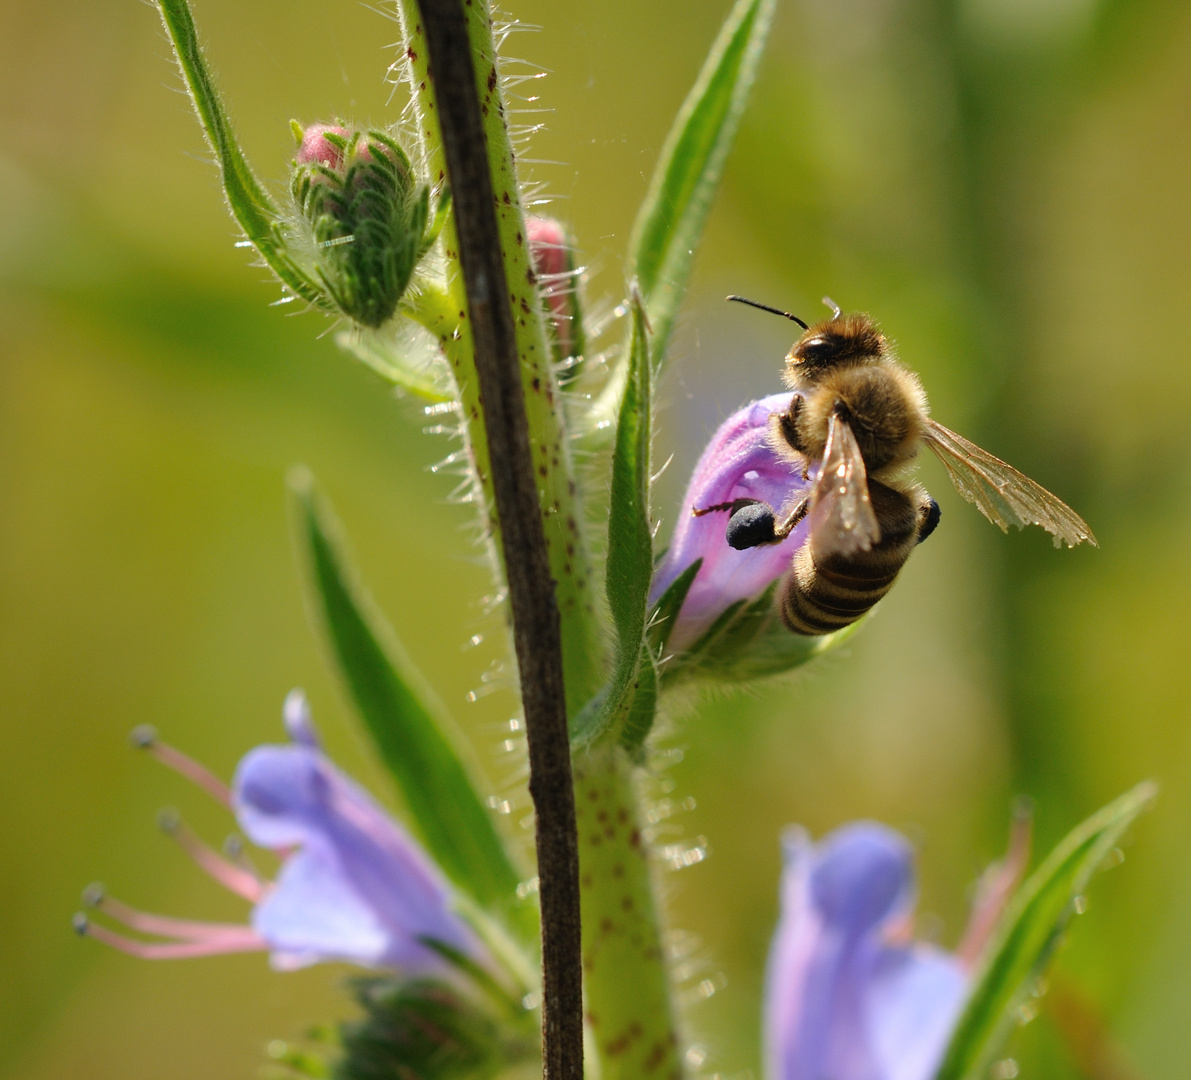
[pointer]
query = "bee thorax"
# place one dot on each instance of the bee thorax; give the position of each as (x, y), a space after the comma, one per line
(883, 404)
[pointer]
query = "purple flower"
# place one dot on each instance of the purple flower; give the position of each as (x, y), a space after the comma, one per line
(353, 885)
(739, 463)
(850, 995)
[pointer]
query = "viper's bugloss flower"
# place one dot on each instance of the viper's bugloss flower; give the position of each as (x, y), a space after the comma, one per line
(553, 253)
(849, 997)
(367, 215)
(352, 886)
(850, 994)
(738, 463)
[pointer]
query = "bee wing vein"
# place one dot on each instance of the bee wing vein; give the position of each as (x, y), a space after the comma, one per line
(1001, 493)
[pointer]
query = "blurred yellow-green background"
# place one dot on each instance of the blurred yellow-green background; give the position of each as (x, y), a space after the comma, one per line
(1003, 183)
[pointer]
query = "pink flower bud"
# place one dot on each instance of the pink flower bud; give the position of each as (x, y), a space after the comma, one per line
(552, 252)
(317, 149)
(367, 216)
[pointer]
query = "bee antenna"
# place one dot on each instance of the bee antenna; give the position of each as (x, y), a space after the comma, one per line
(835, 308)
(771, 310)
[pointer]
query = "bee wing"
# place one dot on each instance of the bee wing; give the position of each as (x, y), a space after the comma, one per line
(842, 521)
(1002, 494)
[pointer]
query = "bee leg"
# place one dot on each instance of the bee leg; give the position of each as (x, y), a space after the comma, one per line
(699, 511)
(787, 423)
(792, 519)
(930, 518)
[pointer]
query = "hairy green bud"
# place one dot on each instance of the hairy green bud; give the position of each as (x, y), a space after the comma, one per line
(369, 218)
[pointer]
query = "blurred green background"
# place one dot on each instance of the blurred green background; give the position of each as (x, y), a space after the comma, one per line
(1003, 183)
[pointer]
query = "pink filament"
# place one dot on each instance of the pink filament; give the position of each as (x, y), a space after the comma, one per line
(995, 891)
(232, 877)
(164, 926)
(229, 939)
(192, 770)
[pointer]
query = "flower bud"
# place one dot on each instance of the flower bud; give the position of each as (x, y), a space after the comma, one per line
(367, 216)
(552, 250)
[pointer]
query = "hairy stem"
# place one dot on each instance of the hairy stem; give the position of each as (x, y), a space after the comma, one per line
(629, 1012)
(536, 628)
(558, 494)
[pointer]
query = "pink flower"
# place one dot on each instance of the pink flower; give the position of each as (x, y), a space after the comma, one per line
(738, 463)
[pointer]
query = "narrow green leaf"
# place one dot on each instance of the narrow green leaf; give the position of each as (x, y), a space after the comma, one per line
(630, 536)
(1029, 933)
(413, 734)
(250, 203)
(636, 721)
(629, 565)
(670, 222)
(666, 610)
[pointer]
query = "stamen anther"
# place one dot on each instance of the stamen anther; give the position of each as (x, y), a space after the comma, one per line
(93, 895)
(143, 736)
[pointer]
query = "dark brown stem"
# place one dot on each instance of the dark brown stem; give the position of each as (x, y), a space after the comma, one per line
(531, 589)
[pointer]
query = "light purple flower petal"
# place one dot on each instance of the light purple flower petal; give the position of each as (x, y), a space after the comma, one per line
(358, 888)
(738, 463)
(299, 724)
(914, 999)
(843, 1003)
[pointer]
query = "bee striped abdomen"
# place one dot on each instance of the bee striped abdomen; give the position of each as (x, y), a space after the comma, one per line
(819, 599)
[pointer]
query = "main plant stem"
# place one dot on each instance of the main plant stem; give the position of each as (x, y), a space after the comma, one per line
(559, 503)
(536, 629)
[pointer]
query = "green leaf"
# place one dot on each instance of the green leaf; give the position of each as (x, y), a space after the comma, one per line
(749, 641)
(670, 222)
(250, 203)
(635, 720)
(397, 355)
(629, 566)
(1029, 933)
(666, 611)
(409, 727)
(630, 535)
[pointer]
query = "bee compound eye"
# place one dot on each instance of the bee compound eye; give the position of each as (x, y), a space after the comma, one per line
(750, 525)
(815, 351)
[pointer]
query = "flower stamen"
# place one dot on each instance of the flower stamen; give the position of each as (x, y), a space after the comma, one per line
(145, 738)
(157, 925)
(231, 939)
(998, 885)
(232, 877)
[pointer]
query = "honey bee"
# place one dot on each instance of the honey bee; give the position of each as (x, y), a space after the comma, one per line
(862, 416)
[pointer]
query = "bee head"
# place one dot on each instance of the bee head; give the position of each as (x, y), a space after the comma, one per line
(845, 339)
